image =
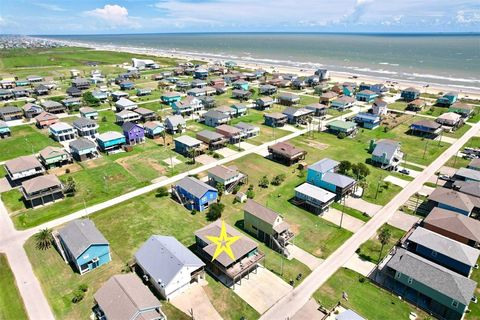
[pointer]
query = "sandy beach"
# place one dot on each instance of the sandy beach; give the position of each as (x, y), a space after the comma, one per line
(399, 84)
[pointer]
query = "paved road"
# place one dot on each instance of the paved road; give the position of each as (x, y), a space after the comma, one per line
(292, 302)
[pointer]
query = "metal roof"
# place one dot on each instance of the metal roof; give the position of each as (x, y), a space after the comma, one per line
(194, 186)
(337, 179)
(315, 192)
(324, 165)
(79, 235)
(187, 140)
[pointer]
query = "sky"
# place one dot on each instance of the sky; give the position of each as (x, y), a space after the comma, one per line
(169, 16)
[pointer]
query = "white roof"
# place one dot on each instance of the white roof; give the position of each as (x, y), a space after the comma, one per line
(315, 192)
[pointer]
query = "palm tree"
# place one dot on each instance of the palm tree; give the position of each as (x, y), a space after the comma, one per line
(384, 237)
(163, 134)
(192, 152)
(44, 239)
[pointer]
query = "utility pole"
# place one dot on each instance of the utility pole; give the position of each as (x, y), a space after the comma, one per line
(425, 150)
(378, 186)
(455, 159)
(343, 210)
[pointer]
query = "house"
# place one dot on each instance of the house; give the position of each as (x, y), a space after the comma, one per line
(297, 115)
(85, 127)
(212, 139)
(348, 91)
(471, 188)
(100, 95)
(319, 110)
(88, 113)
(187, 106)
(377, 88)
(6, 94)
(175, 124)
(133, 133)
(74, 92)
(208, 102)
(144, 92)
(125, 104)
(42, 189)
(453, 200)
(110, 141)
(241, 84)
(442, 292)
(19, 92)
(8, 113)
(186, 144)
(54, 107)
(54, 157)
(450, 120)
(227, 110)
(416, 105)
(145, 114)
(217, 82)
(379, 107)
(23, 167)
(31, 110)
(286, 153)
(267, 89)
(342, 103)
(313, 198)
(239, 109)
(442, 250)
(170, 97)
(81, 83)
(83, 149)
(125, 297)
(229, 177)
(117, 95)
(428, 128)
(323, 174)
(83, 246)
(194, 194)
(366, 96)
(386, 153)
(467, 175)
(288, 99)
(41, 90)
(410, 94)
(196, 92)
(455, 226)
(463, 109)
(34, 78)
(264, 103)
(275, 119)
(267, 226)
(340, 126)
(4, 130)
(249, 131)
(323, 74)
(232, 133)
(168, 265)
(45, 119)
(72, 103)
(474, 164)
(8, 83)
(215, 118)
(328, 97)
(62, 131)
(127, 116)
(447, 99)
(348, 315)
(228, 271)
(200, 73)
(127, 85)
(367, 120)
(153, 129)
(242, 95)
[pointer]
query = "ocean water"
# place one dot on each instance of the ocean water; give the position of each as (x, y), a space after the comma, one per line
(424, 58)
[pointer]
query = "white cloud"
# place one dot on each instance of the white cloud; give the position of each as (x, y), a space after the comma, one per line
(114, 16)
(48, 6)
(3, 21)
(468, 16)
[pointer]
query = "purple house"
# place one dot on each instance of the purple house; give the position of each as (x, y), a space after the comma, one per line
(134, 133)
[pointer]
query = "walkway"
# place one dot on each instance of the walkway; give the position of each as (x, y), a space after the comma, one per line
(304, 257)
(402, 220)
(359, 265)
(348, 222)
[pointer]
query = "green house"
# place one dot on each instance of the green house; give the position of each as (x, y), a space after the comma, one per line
(54, 157)
(463, 109)
(340, 126)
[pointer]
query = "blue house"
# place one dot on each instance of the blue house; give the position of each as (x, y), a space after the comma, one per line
(127, 85)
(133, 133)
(110, 140)
(83, 246)
(366, 95)
(410, 94)
(240, 109)
(444, 251)
(453, 200)
(195, 194)
(317, 170)
(447, 99)
(378, 88)
(322, 174)
(171, 97)
(367, 120)
(200, 73)
(241, 85)
(153, 129)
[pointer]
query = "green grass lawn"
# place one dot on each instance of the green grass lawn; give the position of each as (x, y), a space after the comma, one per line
(24, 140)
(11, 304)
(106, 122)
(398, 105)
(370, 250)
(365, 298)
(351, 212)
(459, 132)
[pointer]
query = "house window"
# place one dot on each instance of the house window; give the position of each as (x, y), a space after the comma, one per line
(410, 280)
(398, 275)
(434, 253)
(454, 303)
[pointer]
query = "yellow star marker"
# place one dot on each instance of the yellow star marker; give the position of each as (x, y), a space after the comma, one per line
(223, 243)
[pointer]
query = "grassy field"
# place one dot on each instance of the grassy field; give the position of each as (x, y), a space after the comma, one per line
(24, 140)
(351, 212)
(365, 298)
(370, 250)
(11, 305)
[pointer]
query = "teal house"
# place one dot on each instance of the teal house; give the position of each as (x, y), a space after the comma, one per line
(348, 91)
(110, 140)
(4, 129)
(240, 109)
(83, 246)
(447, 99)
(366, 96)
(323, 175)
(241, 85)
(22, 83)
(170, 97)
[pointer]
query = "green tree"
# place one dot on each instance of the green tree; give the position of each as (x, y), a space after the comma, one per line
(90, 99)
(278, 179)
(360, 170)
(264, 182)
(250, 194)
(44, 239)
(341, 135)
(215, 211)
(344, 166)
(220, 189)
(384, 238)
(70, 186)
(192, 153)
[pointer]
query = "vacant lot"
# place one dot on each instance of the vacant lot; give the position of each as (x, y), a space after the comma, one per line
(370, 250)
(11, 305)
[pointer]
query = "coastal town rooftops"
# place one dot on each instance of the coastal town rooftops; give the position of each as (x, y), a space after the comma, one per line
(286, 149)
(411, 89)
(462, 106)
(127, 126)
(315, 192)
(125, 297)
(21, 164)
(46, 116)
(80, 234)
(246, 126)
(239, 248)
(50, 152)
(417, 102)
(171, 94)
(468, 174)
(455, 223)
(9, 109)
(60, 126)
(434, 276)
(369, 92)
(216, 114)
(175, 120)
(194, 186)
(469, 187)
(188, 141)
(427, 124)
(275, 115)
(31, 106)
(337, 179)
(289, 96)
(40, 183)
(229, 129)
(475, 163)
(261, 212)
(109, 135)
(345, 125)
(82, 144)
(151, 125)
(345, 100)
(297, 112)
(224, 172)
(163, 257)
(387, 147)
(454, 199)
(125, 103)
(329, 95)
(324, 165)
(51, 104)
(210, 135)
(316, 106)
(143, 111)
(87, 110)
(443, 245)
(83, 122)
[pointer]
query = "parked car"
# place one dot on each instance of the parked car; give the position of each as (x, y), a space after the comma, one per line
(444, 177)
(405, 171)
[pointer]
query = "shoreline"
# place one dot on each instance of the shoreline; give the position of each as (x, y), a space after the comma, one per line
(335, 76)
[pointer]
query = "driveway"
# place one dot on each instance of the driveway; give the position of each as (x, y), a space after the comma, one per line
(263, 152)
(195, 299)
(349, 223)
(359, 265)
(446, 139)
(396, 181)
(402, 220)
(246, 146)
(262, 289)
(362, 205)
(309, 311)
(426, 190)
(290, 128)
(226, 152)
(304, 257)
(4, 185)
(205, 159)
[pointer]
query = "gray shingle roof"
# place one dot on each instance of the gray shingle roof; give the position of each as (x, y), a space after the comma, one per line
(83, 122)
(22, 164)
(389, 147)
(453, 222)
(433, 275)
(175, 120)
(9, 109)
(261, 212)
(337, 179)
(194, 186)
(215, 114)
(210, 135)
(224, 172)
(454, 199)
(246, 126)
(49, 152)
(297, 112)
(468, 174)
(40, 183)
(162, 257)
(81, 144)
(324, 165)
(78, 235)
(443, 245)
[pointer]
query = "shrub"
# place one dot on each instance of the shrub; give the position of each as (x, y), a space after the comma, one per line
(193, 212)
(77, 296)
(70, 187)
(342, 135)
(67, 171)
(236, 189)
(216, 156)
(278, 179)
(83, 287)
(215, 211)
(250, 194)
(162, 192)
(264, 182)
(361, 279)
(104, 119)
